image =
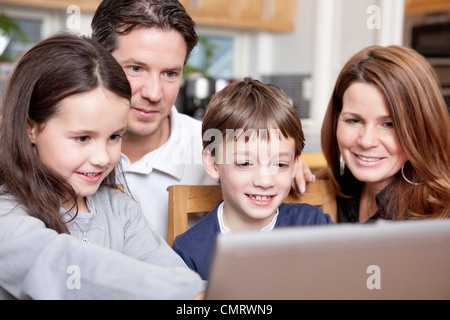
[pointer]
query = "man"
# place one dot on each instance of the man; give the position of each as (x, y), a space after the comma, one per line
(152, 40)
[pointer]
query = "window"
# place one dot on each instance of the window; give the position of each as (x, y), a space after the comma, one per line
(32, 30)
(35, 23)
(214, 55)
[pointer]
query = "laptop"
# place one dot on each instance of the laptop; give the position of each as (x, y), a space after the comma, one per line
(384, 260)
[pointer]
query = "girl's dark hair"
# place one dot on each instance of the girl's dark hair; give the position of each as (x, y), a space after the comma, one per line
(54, 69)
(118, 17)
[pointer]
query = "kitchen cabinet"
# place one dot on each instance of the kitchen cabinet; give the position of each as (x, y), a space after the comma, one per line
(424, 6)
(85, 5)
(271, 15)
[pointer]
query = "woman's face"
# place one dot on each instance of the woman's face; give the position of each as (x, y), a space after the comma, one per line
(366, 137)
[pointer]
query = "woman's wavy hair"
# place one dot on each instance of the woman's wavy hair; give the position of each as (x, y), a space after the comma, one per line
(421, 122)
(53, 70)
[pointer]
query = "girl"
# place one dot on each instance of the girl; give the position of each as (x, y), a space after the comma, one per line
(66, 231)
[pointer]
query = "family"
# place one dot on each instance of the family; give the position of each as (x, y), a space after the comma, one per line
(82, 116)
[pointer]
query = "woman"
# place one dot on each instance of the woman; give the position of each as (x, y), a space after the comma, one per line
(386, 138)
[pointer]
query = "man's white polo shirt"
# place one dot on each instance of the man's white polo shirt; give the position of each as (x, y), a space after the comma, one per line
(178, 161)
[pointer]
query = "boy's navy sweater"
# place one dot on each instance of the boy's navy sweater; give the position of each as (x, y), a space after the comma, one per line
(196, 245)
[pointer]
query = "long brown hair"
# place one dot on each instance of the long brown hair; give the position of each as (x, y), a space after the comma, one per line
(119, 17)
(54, 69)
(420, 120)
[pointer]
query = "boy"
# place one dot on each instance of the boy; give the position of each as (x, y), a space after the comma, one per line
(252, 140)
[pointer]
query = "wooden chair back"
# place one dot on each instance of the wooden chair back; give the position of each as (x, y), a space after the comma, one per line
(185, 199)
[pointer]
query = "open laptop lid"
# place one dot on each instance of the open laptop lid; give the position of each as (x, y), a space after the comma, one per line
(385, 260)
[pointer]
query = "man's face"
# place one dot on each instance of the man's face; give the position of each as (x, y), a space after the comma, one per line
(153, 60)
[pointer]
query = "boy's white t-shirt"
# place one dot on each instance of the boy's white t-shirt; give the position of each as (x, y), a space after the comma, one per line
(224, 229)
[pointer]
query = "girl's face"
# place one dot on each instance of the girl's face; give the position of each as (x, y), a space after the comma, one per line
(82, 141)
(255, 176)
(366, 138)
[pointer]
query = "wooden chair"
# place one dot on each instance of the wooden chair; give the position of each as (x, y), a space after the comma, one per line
(314, 160)
(184, 199)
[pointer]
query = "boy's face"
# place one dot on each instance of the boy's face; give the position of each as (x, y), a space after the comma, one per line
(255, 176)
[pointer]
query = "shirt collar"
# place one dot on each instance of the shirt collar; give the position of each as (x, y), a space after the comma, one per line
(224, 229)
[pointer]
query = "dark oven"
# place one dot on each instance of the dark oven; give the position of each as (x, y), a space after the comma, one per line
(433, 41)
